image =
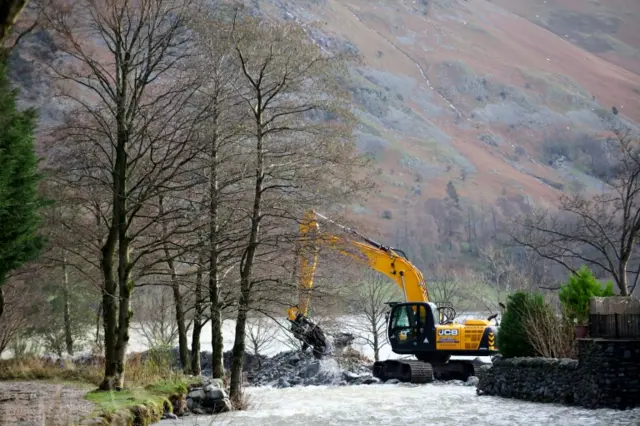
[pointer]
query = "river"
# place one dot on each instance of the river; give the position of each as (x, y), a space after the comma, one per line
(437, 404)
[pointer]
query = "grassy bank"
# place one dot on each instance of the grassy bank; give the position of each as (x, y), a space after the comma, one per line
(152, 387)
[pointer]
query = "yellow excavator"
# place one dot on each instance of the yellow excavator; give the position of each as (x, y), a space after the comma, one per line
(417, 326)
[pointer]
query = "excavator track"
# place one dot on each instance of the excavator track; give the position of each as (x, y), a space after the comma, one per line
(414, 371)
(403, 370)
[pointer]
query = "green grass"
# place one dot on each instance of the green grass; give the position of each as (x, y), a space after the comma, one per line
(152, 401)
(139, 405)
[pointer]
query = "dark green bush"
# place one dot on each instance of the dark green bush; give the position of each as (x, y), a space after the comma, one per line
(577, 292)
(513, 339)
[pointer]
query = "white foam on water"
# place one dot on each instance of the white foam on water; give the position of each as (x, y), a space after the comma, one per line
(436, 404)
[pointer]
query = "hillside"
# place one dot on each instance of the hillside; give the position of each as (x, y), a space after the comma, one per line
(469, 92)
(487, 102)
(605, 28)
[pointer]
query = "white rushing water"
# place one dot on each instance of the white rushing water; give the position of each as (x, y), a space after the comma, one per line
(431, 404)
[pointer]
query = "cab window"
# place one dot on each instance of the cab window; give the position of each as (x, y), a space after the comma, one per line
(401, 318)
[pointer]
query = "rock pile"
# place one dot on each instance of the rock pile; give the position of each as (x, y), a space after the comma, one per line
(293, 368)
(209, 397)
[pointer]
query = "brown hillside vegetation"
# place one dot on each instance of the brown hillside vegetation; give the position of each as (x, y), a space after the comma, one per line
(607, 28)
(486, 40)
(473, 92)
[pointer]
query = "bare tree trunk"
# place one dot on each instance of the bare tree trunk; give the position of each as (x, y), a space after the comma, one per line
(68, 337)
(124, 308)
(98, 316)
(237, 356)
(109, 313)
(117, 316)
(376, 342)
(623, 284)
(183, 345)
(1, 302)
(197, 321)
(217, 348)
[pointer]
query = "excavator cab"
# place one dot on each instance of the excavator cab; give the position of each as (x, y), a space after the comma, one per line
(412, 327)
(426, 330)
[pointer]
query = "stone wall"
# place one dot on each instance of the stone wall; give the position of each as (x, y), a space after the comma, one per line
(607, 374)
(610, 373)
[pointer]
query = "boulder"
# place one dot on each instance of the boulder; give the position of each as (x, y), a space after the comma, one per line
(472, 381)
(350, 376)
(196, 394)
(312, 369)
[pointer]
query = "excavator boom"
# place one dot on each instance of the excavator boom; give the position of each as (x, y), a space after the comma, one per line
(383, 259)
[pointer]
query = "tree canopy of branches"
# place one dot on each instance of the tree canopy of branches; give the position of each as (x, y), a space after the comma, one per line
(600, 230)
(299, 145)
(128, 151)
(371, 307)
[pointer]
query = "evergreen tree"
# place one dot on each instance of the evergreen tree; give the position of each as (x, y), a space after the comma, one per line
(19, 177)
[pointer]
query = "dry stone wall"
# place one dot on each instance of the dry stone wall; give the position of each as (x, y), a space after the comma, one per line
(606, 375)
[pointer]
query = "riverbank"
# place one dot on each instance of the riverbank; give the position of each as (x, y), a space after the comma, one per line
(37, 391)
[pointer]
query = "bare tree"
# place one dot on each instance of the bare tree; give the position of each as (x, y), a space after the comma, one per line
(600, 230)
(261, 334)
(21, 312)
(128, 137)
(299, 148)
(371, 309)
(155, 316)
(223, 163)
(199, 320)
(446, 287)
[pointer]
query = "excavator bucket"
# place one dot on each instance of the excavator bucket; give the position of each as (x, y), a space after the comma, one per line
(310, 334)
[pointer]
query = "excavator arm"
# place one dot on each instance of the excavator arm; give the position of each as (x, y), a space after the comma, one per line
(381, 258)
(391, 262)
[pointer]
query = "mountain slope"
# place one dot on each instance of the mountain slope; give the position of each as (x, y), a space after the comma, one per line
(482, 101)
(607, 28)
(468, 92)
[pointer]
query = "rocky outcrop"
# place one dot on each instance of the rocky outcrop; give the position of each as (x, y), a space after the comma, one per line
(606, 375)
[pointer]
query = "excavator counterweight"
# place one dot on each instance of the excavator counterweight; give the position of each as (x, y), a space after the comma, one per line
(416, 327)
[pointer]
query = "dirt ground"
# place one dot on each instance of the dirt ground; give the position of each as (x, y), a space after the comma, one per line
(41, 404)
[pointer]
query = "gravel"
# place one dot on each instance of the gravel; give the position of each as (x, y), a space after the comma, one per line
(38, 403)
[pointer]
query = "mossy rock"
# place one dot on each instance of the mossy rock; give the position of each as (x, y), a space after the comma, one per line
(146, 414)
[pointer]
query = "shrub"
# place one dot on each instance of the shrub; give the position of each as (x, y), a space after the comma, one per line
(577, 292)
(550, 335)
(513, 339)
